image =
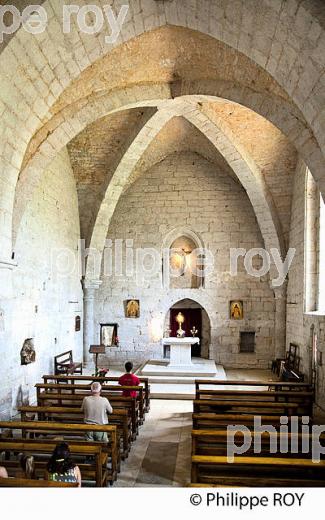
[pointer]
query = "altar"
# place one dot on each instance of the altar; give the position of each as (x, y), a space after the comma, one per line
(180, 351)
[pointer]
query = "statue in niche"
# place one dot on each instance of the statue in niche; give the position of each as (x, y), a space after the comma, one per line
(27, 353)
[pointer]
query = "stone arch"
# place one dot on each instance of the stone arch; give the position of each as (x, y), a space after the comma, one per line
(208, 18)
(244, 167)
(248, 174)
(295, 20)
(205, 333)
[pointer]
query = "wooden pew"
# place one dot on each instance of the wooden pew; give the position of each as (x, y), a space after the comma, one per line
(269, 385)
(108, 391)
(303, 398)
(203, 421)
(96, 470)
(103, 380)
(64, 364)
(233, 406)
(259, 471)
(25, 482)
(70, 431)
(215, 442)
(65, 414)
(75, 400)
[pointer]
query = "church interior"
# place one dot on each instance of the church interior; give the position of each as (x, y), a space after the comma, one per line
(162, 203)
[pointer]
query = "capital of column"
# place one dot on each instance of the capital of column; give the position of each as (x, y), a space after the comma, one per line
(89, 286)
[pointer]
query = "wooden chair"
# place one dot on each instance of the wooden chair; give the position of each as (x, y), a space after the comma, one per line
(64, 364)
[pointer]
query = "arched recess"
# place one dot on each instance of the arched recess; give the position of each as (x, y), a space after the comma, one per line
(169, 239)
(64, 128)
(195, 315)
(248, 174)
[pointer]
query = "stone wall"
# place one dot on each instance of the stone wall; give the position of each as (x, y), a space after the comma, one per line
(299, 323)
(36, 303)
(185, 191)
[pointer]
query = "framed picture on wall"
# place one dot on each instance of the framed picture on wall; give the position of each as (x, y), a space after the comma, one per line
(132, 309)
(236, 310)
(108, 334)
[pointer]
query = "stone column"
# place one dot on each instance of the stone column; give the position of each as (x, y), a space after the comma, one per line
(280, 295)
(89, 289)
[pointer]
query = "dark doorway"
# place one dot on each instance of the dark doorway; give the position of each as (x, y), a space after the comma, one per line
(193, 318)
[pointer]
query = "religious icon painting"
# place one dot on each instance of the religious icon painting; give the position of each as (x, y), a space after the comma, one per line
(132, 309)
(236, 310)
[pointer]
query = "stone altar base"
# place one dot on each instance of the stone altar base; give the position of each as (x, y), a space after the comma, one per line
(168, 382)
(198, 368)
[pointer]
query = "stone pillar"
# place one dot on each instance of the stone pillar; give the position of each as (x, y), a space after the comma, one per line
(280, 295)
(89, 289)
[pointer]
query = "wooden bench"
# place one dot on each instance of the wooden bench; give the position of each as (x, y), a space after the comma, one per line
(75, 401)
(260, 471)
(268, 385)
(26, 482)
(68, 431)
(233, 406)
(65, 414)
(108, 391)
(215, 442)
(103, 380)
(203, 421)
(42, 450)
(303, 398)
(64, 364)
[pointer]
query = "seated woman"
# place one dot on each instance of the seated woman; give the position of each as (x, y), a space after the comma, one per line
(61, 468)
(3, 472)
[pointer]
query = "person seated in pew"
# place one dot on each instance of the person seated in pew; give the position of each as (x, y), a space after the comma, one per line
(27, 466)
(3, 472)
(61, 467)
(129, 379)
(95, 409)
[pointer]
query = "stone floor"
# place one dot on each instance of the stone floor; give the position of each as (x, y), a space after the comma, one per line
(161, 455)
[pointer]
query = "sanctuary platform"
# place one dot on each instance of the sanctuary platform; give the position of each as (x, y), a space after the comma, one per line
(169, 382)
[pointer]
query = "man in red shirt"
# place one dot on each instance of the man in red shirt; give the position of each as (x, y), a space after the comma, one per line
(129, 379)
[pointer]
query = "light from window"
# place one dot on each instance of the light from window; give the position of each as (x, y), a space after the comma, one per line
(321, 256)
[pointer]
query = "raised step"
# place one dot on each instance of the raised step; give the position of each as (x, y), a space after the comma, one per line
(178, 383)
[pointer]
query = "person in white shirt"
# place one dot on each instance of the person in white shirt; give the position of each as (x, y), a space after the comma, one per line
(95, 409)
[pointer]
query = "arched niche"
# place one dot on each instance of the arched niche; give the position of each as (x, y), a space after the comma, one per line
(183, 259)
(195, 315)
